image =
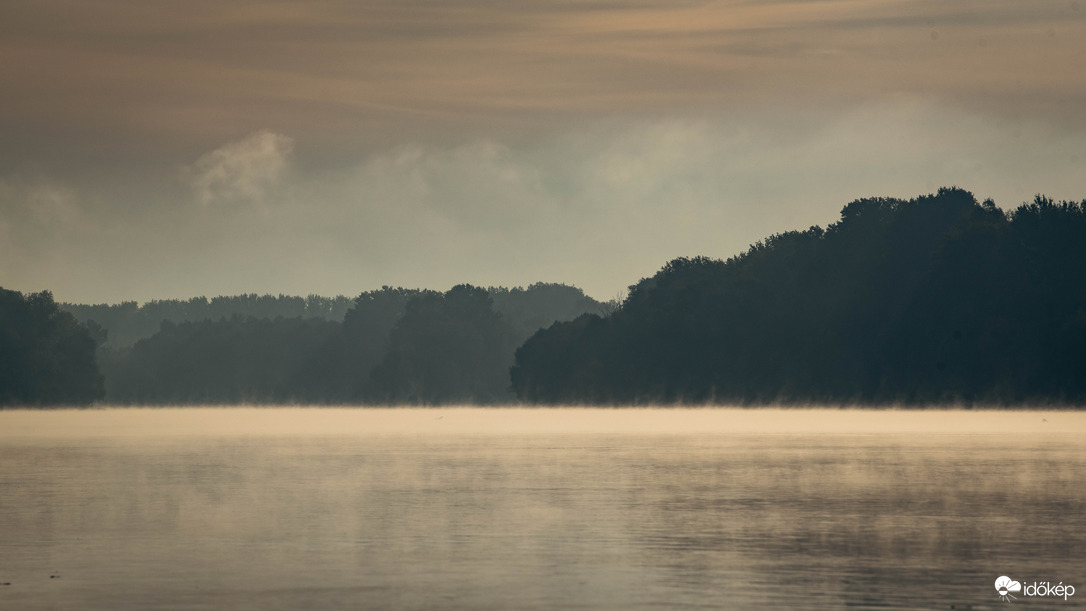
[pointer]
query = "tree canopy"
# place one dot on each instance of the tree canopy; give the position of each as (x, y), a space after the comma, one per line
(128, 321)
(394, 345)
(46, 356)
(938, 299)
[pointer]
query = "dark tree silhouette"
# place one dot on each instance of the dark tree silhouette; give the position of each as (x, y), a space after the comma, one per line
(541, 305)
(447, 348)
(129, 322)
(364, 339)
(931, 300)
(46, 356)
(236, 360)
(462, 354)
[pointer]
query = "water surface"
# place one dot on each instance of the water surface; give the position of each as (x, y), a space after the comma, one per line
(278, 508)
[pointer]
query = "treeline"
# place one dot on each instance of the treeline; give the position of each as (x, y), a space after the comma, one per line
(129, 321)
(939, 299)
(46, 356)
(394, 346)
(936, 300)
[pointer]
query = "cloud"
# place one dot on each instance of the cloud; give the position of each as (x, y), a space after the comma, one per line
(608, 203)
(175, 75)
(33, 213)
(500, 142)
(599, 205)
(241, 171)
(36, 215)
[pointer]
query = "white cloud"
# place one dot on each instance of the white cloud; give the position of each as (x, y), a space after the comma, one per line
(243, 170)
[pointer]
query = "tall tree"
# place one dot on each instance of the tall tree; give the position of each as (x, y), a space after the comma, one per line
(46, 357)
(447, 348)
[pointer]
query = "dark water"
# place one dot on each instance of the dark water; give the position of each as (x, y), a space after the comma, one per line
(523, 509)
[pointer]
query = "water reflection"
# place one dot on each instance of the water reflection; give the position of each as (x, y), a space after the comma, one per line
(499, 517)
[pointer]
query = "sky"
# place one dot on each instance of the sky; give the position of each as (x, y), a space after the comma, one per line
(176, 148)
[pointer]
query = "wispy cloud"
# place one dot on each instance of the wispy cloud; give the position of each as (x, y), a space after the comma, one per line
(501, 141)
(340, 73)
(240, 171)
(41, 202)
(36, 215)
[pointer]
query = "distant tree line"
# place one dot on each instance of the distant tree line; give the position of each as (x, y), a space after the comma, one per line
(46, 356)
(938, 299)
(129, 321)
(393, 346)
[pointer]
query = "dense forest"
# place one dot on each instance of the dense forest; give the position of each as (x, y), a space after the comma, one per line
(939, 299)
(129, 322)
(46, 356)
(936, 300)
(393, 346)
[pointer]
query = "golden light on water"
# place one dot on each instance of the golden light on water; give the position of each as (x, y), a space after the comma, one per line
(254, 421)
(468, 508)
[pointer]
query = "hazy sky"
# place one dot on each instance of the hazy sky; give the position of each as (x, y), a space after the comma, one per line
(180, 148)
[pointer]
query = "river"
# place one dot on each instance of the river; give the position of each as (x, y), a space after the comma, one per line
(471, 508)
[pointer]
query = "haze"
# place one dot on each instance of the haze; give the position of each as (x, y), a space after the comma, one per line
(172, 149)
(140, 424)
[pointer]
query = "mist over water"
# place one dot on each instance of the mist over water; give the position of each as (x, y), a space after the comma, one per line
(283, 508)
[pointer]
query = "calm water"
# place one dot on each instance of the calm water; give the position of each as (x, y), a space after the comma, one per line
(528, 509)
